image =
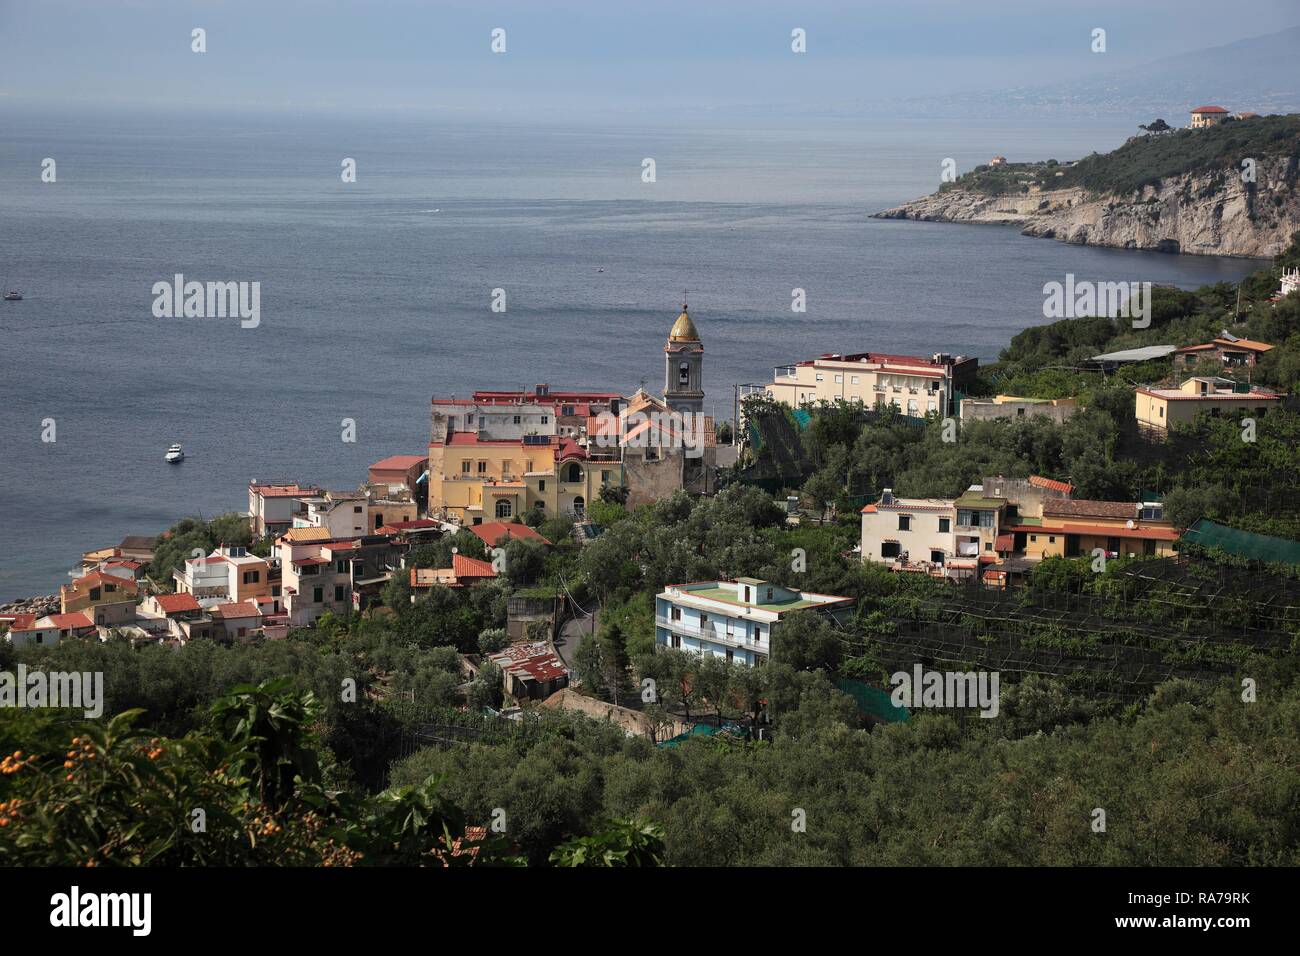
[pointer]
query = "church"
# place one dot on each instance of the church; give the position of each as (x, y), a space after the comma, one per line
(501, 455)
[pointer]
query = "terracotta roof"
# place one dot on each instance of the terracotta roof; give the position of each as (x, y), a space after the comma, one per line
(241, 609)
(1209, 109)
(464, 566)
(100, 577)
(19, 622)
(1050, 483)
(399, 462)
(307, 534)
(176, 603)
(79, 619)
(490, 532)
(1147, 533)
(1083, 508)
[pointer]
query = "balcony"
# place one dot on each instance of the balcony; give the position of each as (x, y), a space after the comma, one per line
(717, 635)
(784, 371)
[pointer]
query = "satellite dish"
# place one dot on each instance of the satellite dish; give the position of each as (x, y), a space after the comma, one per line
(1129, 523)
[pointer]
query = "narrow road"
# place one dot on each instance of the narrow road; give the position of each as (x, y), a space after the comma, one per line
(572, 632)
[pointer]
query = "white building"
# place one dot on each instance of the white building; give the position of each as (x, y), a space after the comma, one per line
(914, 386)
(914, 533)
(272, 505)
(733, 619)
(344, 514)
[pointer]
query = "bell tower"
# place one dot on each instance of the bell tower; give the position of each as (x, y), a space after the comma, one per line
(684, 367)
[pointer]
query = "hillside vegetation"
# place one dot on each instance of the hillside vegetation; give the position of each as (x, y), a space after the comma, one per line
(1146, 160)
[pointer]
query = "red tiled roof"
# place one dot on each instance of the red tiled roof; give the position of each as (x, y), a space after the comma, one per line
(79, 619)
(241, 609)
(399, 462)
(1209, 109)
(19, 622)
(464, 566)
(491, 532)
(1050, 483)
(1102, 530)
(1004, 542)
(1083, 508)
(100, 577)
(176, 603)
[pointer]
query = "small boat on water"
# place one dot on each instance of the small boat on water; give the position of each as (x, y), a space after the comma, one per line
(13, 296)
(175, 453)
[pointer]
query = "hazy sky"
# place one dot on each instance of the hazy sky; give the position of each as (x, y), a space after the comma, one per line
(578, 56)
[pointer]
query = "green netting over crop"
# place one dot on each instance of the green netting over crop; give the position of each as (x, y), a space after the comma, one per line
(1244, 544)
(872, 701)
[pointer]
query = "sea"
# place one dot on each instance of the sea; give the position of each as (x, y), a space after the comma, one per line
(376, 295)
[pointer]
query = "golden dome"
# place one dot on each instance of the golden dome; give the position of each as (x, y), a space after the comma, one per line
(683, 329)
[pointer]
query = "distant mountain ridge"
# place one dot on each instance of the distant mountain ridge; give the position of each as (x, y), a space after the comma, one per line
(1259, 74)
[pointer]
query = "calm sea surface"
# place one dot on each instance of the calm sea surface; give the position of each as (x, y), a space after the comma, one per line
(375, 295)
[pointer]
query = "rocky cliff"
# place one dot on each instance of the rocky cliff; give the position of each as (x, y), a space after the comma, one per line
(1209, 213)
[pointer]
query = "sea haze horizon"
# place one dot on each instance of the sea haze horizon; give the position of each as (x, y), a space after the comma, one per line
(375, 295)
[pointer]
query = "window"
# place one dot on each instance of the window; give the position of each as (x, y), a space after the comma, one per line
(503, 508)
(546, 419)
(988, 545)
(243, 631)
(683, 374)
(1051, 539)
(341, 566)
(853, 380)
(464, 468)
(821, 377)
(704, 619)
(317, 595)
(945, 525)
(482, 468)
(541, 484)
(1034, 538)
(1148, 546)
(889, 549)
(769, 594)
(730, 654)
(356, 509)
(519, 419)
(566, 411)
(675, 614)
(604, 477)
(469, 419)
(904, 522)
(936, 557)
(839, 379)
(340, 592)
(252, 577)
(94, 594)
(1112, 544)
(677, 641)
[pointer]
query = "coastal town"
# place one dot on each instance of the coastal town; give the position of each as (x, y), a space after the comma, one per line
(904, 543)
(501, 463)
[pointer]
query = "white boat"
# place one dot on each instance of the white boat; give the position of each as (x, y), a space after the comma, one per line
(175, 453)
(13, 295)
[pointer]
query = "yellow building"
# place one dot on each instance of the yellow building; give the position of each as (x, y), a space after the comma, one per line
(1157, 408)
(107, 599)
(1204, 116)
(1074, 528)
(473, 479)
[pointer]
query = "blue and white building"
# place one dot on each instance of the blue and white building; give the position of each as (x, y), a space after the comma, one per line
(734, 619)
